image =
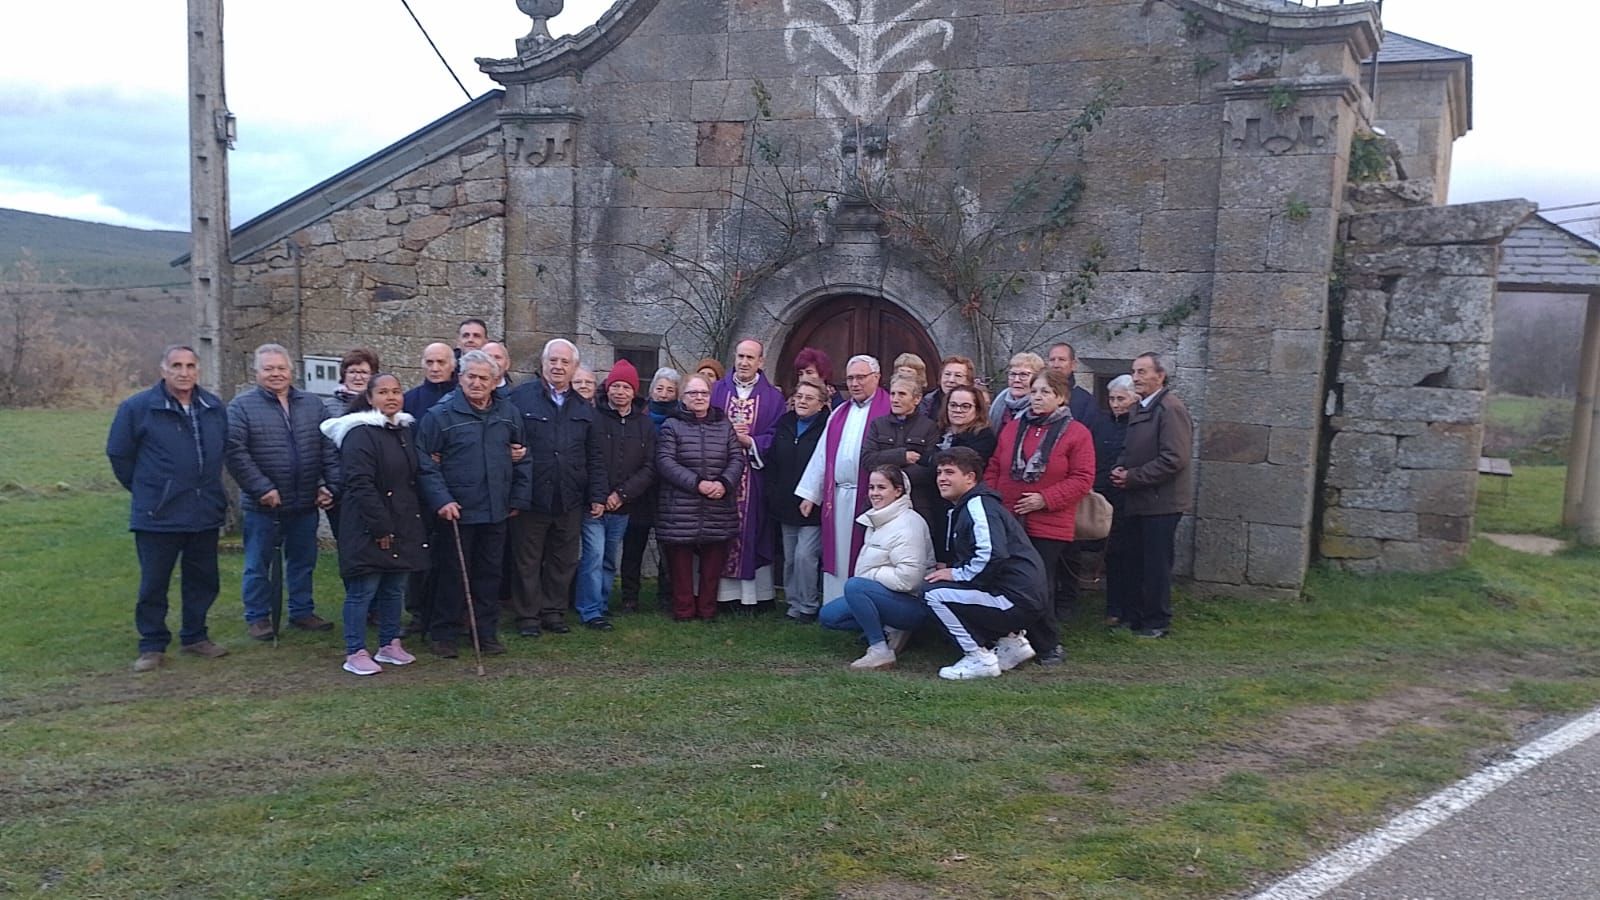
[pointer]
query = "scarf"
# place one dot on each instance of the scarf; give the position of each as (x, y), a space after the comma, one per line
(1032, 469)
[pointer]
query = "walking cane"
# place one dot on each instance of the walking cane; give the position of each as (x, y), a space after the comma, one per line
(276, 576)
(466, 586)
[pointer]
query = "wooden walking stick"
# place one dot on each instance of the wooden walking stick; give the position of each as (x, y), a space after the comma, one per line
(466, 586)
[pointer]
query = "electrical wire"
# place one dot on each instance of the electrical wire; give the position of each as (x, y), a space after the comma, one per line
(436, 52)
(1547, 209)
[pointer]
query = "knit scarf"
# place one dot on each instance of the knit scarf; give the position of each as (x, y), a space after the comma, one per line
(1032, 469)
(1015, 407)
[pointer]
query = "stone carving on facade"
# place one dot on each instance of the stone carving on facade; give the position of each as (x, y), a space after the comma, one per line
(886, 46)
(1264, 130)
(539, 140)
(541, 12)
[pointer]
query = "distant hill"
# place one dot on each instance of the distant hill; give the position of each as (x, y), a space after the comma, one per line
(68, 251)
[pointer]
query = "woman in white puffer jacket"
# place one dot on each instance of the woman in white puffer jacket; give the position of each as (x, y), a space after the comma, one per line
(884, 599)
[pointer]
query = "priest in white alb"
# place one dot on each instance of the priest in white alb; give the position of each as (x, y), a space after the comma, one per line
(835, 478)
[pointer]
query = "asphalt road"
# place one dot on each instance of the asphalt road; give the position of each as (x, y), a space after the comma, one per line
(1537, 836)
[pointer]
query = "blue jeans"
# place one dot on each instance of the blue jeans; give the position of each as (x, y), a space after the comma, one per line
(158, 553)
(262, 533)
(868, 606)
(597, 564)
(388, 590)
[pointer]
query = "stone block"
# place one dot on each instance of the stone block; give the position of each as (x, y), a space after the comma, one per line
(419, 232)
(1362, 452)
(690, 188)
(1421, 556)
(1191, 184)
(735, 100)
(1469, 368)
(1270, 300)
(1466, 259)
(1421, 404)
(317, 233)
(1442, 447)
(1241, 242)
(1272, 182)
(719, 144)
(1264, 399)
(1393, 363)
(1445, 493)
(359, 224)
(1334, 546)
(1456, 529)
(483, 191)
(384, 200)
(642, 58)
(1388, 498)
(1302, 244)
(1398, 427)
(1467, 223)
(1178, 240)
(1165, 132)
(1063, 35)
(652, 100)
(1278, 555)
(1221, 550)
(1273, 495)
(1442, 308)
(764, 54)
(544, 186)
(1147, 82)
(443, 196)
(1002, 89)
(1240, 349)
(1292, 447)
(1371, 523)
(373, 274)
(1232, 442)
(1364, 315)
(1297, 351)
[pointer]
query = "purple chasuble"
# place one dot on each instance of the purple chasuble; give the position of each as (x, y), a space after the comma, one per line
(751, 548)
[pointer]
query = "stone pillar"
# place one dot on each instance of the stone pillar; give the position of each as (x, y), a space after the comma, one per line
(1284, 154)
(540, 142)
(1582, 412)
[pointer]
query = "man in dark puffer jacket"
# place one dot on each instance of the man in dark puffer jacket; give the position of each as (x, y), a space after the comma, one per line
(284, 467)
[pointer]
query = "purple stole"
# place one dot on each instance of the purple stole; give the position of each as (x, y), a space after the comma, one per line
(751, 547)
(878, 406)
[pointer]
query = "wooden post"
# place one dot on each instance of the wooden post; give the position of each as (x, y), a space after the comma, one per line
(211, 134)
(1578, 464)
(1589, 512)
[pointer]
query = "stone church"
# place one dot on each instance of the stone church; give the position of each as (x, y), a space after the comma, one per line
(1243, 185)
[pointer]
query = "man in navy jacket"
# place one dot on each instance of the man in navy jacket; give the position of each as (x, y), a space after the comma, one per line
(166, 447)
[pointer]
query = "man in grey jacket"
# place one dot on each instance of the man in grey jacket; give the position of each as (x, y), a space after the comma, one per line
(284, 466)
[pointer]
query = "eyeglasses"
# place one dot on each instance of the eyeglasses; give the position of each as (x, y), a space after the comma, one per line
(961, 407)
(697, 393)
(1019, 374)
(858, 377)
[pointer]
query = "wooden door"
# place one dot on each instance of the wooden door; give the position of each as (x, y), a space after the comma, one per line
(851, 324)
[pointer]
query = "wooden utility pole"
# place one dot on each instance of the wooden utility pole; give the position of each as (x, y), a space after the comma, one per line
(211, 135)
(1583, 415)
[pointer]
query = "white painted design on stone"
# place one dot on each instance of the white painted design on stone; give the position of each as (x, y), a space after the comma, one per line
(885, 53)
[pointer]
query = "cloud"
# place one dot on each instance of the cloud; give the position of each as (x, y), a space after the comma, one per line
(61, 202)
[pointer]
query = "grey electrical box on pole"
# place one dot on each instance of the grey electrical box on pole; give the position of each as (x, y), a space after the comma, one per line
(211, 135)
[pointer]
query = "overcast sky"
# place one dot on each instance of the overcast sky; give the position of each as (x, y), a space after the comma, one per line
(93, 116)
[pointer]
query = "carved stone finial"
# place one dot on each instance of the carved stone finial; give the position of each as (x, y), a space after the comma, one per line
(541, 12)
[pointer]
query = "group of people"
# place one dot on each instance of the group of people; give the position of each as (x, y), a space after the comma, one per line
(893, 505)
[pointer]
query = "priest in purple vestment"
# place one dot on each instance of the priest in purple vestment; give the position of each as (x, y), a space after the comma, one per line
(753, 405)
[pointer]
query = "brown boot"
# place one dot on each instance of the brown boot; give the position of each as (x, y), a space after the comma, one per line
(312, 622)
(261, 630)
(207, 649)
(149, 661)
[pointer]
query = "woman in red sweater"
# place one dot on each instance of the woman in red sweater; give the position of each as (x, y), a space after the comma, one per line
(1042, 466)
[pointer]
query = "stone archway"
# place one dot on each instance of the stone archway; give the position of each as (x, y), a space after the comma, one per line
(844, 325)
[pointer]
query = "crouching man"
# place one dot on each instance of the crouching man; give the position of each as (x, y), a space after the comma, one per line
(166, 448)
(990, 584)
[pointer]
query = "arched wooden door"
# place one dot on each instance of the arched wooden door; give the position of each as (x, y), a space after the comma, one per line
(850, 324)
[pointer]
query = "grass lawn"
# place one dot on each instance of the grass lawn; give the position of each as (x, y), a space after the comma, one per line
(736, 759)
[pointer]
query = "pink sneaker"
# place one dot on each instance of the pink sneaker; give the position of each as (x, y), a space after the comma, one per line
(359, 663)
(394, 654)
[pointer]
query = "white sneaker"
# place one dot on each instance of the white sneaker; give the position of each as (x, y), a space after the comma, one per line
(979, 663)
(896, 638)
(1013, 650)
(878, 656)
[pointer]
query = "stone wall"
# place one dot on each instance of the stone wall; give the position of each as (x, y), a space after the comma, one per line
(1415, 317)
(393, 271)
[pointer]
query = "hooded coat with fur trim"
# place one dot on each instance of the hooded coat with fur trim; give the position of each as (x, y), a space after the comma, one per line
(379, 464)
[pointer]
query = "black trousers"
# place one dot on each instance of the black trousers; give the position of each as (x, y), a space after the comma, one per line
(483, 547)
(159, 552)
(1149, 544)
(547, 547)
(633, 546)
(1045, 633)
(1064, 577)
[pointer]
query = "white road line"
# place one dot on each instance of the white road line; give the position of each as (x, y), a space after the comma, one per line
(1355, 857)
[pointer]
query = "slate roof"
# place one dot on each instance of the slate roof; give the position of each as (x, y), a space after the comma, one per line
(1540, 255)
(1398, 48)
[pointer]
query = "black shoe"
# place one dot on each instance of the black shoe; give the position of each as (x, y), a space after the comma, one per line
(413, 629)
(529, 631)
(556, 626)
(598, 625)
(802, 618)
(1055, 657)
(491, 647)
(444, 649)
(1151, 633)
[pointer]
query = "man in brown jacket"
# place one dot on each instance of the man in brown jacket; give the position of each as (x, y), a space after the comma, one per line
(1158, 488)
